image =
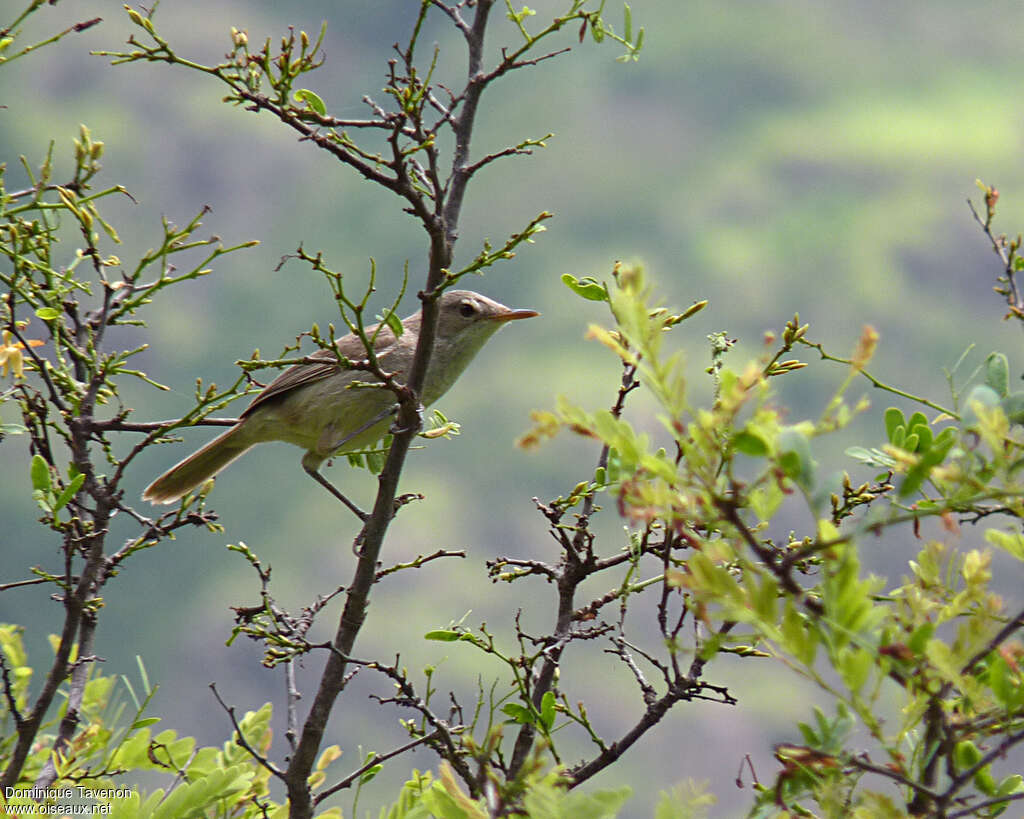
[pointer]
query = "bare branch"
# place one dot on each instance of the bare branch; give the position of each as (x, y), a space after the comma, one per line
(240, 739)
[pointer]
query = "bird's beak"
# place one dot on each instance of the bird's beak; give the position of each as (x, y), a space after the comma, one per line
(514, 315)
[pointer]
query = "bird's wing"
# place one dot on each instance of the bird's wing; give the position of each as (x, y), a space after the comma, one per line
(350, 346)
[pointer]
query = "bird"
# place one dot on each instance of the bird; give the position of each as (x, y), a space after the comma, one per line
(328, 409)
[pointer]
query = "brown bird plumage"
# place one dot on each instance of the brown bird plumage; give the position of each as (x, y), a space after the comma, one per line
(316, 407)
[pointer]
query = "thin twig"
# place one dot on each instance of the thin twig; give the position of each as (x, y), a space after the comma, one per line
(240, 739)
(375, 759)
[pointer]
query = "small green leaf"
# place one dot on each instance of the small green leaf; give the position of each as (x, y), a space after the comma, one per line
(750, 443)
(40, 473)
(920, 637)
(394, 322)
(765, 500)
(69, 492)
(1003, 682)
(1014, 783)
(304, 95)
(48, 313)
(790, 463)
(917, 419)
(923, 434)
(985, 782)
(899, 436)
(1012, 542)
(547, 709)
(893, 419)
(587, 287)
(442, 635)
(614, 469)
(518, 713)
(997, 373)
(932, 458)
(854, 665)
(375, 461)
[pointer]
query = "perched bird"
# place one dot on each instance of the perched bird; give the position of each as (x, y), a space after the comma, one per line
(316, 407)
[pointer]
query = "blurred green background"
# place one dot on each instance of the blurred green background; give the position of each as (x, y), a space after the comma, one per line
(772, 157)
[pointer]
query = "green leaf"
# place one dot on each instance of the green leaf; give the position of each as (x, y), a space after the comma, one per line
(893, 419)
(134, 752)
(928, 460)
(394, 322)
(997, 373)
(750, 443)
(687, 800)
(1004, 682)
(304, 95)
(587, 287)
(69, 492)
(375, 461)
(1012, 542)
(916, 420)
(765, 598)
(193, 798)
(798, 637)
(923, 434)
(1014, 783)
(899, 436)
(48, 313)
(603, 804)
(547, 709)
(855, 667)
(790, 463)
(985, 782)
(443, 635)
(40, 473)
(518, 713)
(920, 637)
(765, 500)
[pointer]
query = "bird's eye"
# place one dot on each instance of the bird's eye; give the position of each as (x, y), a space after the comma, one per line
(467, 309)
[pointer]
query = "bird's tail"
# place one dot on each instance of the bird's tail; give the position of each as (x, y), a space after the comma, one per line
(196, 468)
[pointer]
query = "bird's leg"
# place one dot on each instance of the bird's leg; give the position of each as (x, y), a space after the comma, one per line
(330, 487)
(311, 462)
